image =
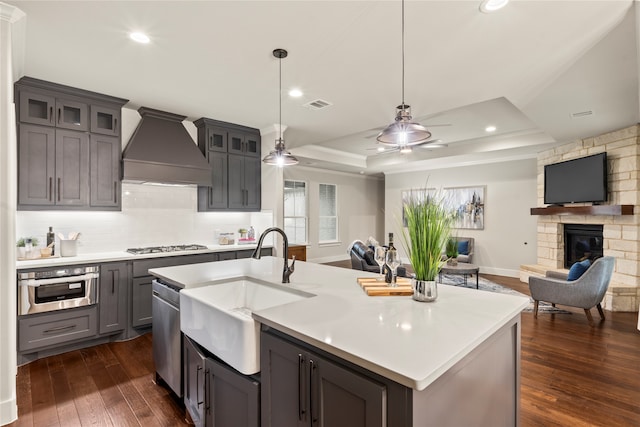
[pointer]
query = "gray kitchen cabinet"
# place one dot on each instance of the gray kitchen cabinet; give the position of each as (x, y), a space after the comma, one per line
(114, 284)
(57, 168)
(36, 165)
(53, 165)
(141, 312)
(194, 381)
(141, 293)
(105, 171)
(216, 196)
(215, 394)
(72, 168)
(39, 331)
(233, 151)
(45, 109)
(244, 183)
(245, 143)
(72, 115)
(302, 388)
(105, 120)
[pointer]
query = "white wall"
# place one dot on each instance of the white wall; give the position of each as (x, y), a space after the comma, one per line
(509, 235)
(360, 215)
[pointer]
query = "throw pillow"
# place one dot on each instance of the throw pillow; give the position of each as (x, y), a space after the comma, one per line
(578, 270)
(463, 247)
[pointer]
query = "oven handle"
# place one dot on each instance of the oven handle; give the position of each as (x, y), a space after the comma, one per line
(67, 279)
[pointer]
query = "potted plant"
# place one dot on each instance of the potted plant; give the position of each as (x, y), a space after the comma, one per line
(452, 251)
(427, 232)
(21, 244)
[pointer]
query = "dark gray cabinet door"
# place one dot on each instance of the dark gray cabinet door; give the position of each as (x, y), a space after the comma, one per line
(36, 165)
(105, 171)
(72, 168)
(141, 311)
(252, 183)
(37, 108)
(114, 281)
(285, 389)
(244, 183)
(236, 182)
(105, 120)
(300, 388)
(194, 381)
(216, 139)
(245, 143)
(232, 399)
(72, 115)
(217, 197)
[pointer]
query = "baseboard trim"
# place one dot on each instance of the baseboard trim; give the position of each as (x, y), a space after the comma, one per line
(8, 411)
(500, 272)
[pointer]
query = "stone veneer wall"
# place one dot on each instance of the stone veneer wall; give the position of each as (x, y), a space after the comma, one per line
(621, 233)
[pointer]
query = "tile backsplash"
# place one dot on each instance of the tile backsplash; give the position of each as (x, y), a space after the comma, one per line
(151, 215)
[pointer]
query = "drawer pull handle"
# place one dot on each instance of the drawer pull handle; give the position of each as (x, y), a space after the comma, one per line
(58, 329)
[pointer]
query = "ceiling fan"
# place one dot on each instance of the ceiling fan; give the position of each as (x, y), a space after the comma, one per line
(428, 145)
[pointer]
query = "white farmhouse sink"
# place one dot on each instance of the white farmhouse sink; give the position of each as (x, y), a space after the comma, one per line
(218, 317)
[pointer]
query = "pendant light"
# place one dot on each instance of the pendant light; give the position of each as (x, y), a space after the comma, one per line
(279, 156)
(403, 132)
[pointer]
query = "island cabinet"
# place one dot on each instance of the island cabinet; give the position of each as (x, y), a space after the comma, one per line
(302, 388)
(113, 287)
(233, 152)
(69, 147)
(215, 394)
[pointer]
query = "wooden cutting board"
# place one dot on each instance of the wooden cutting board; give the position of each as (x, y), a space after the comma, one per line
(374, 287)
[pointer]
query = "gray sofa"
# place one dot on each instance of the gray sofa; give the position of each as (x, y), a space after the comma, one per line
(468, 257)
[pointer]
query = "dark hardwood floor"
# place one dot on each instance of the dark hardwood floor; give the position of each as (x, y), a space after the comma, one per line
(572, 375)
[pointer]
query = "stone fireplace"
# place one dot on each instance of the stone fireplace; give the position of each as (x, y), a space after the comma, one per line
(620, 228)
(582, 241)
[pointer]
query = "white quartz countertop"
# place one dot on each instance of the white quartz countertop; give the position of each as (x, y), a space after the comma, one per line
(123, 255)
(409, 342)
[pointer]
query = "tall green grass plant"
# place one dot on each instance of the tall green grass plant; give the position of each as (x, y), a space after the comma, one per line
(427, 232)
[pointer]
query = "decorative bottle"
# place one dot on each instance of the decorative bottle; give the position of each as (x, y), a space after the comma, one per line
(51, 238)
(388, 274)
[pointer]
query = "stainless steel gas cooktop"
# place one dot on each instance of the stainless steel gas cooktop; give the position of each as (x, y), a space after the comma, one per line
(160, 249)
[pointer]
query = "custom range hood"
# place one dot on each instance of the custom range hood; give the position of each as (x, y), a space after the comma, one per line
(162, 151)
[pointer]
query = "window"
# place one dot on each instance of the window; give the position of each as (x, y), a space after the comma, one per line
(295, 211)
(328, 221)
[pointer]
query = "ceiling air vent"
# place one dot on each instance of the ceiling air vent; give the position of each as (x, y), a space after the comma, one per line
(317, 104)
(582, 114)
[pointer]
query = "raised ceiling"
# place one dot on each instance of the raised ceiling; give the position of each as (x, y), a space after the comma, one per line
(527, 69)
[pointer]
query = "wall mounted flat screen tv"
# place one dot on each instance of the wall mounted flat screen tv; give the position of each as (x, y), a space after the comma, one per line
(576, 181)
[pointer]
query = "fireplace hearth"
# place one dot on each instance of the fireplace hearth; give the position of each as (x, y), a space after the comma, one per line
(581, 241)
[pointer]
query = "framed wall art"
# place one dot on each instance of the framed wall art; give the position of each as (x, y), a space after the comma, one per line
(415, 194)
(468, 205)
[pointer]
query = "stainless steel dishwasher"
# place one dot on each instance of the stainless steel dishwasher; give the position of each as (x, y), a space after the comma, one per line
(167, 342)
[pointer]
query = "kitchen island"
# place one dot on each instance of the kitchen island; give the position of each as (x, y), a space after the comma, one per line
(452, 362)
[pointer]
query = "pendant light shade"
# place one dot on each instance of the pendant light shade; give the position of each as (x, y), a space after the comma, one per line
(403, 132)
(279, 156)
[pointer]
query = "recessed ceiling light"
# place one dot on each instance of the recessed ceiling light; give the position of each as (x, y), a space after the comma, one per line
(406, 150)
(380, 149)
(295, 93)
(139, 37)
(490, 129)
(488, 6)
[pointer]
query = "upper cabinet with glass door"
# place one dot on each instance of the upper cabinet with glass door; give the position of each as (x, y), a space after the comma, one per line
(43, 109)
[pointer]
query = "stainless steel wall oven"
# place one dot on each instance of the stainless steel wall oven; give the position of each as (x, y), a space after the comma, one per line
(56, 288)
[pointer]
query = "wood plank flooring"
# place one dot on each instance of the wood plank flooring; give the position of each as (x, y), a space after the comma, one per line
(572, 375)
